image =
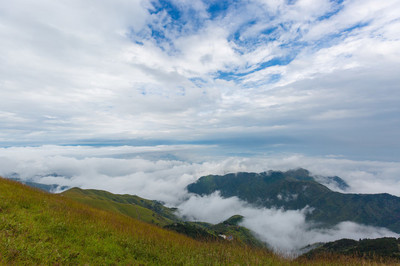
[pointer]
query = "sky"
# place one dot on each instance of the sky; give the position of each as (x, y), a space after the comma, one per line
(145, 97)
(317, 77)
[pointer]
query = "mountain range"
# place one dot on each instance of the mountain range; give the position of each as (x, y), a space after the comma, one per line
(298, 189)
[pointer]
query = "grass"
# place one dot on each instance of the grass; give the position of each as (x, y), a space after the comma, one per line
(132, 206)
(41, 228)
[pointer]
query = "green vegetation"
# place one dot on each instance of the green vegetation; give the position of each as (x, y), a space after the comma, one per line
(380, 248)
(193, 230)
(149, 211)
(228, 230)
(295, 189)
(234, 220)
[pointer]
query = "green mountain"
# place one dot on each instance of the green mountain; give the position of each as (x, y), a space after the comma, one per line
(387, 247)
(296, 189)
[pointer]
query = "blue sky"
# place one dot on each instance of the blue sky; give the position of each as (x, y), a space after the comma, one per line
(316, 77)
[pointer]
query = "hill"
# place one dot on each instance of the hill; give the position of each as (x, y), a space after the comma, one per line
(41, 228)
(154, 212)
(381, 248)
(296, 189)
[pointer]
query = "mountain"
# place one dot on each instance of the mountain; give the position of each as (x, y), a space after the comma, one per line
(39, 228)
(296, 189)
(383, 248)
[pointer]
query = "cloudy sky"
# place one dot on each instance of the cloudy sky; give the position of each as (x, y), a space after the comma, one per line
(144, 97)
(317, 77)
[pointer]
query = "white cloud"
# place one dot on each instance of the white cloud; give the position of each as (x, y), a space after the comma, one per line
(150, 171)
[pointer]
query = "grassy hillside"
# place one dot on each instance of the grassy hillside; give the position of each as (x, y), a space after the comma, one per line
(296, 189)
(154, 212)
(41, 228)
(133, 206)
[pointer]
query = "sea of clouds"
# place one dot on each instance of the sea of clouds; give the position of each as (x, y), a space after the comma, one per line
(163, 172)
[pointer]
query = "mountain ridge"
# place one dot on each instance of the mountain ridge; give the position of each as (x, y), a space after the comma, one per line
(297, 189)
(384, 248)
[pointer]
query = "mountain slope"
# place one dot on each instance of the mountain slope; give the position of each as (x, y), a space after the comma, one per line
(41, 228)
(154, 212)
(228, 230)
(133, 206)
(296, 189)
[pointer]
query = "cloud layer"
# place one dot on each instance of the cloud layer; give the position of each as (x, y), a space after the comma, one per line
(160, 173)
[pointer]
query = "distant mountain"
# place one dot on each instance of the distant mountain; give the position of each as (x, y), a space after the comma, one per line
(333, 181)
(46, 187)
(49, 188)
(386, 247)
(296, 189)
